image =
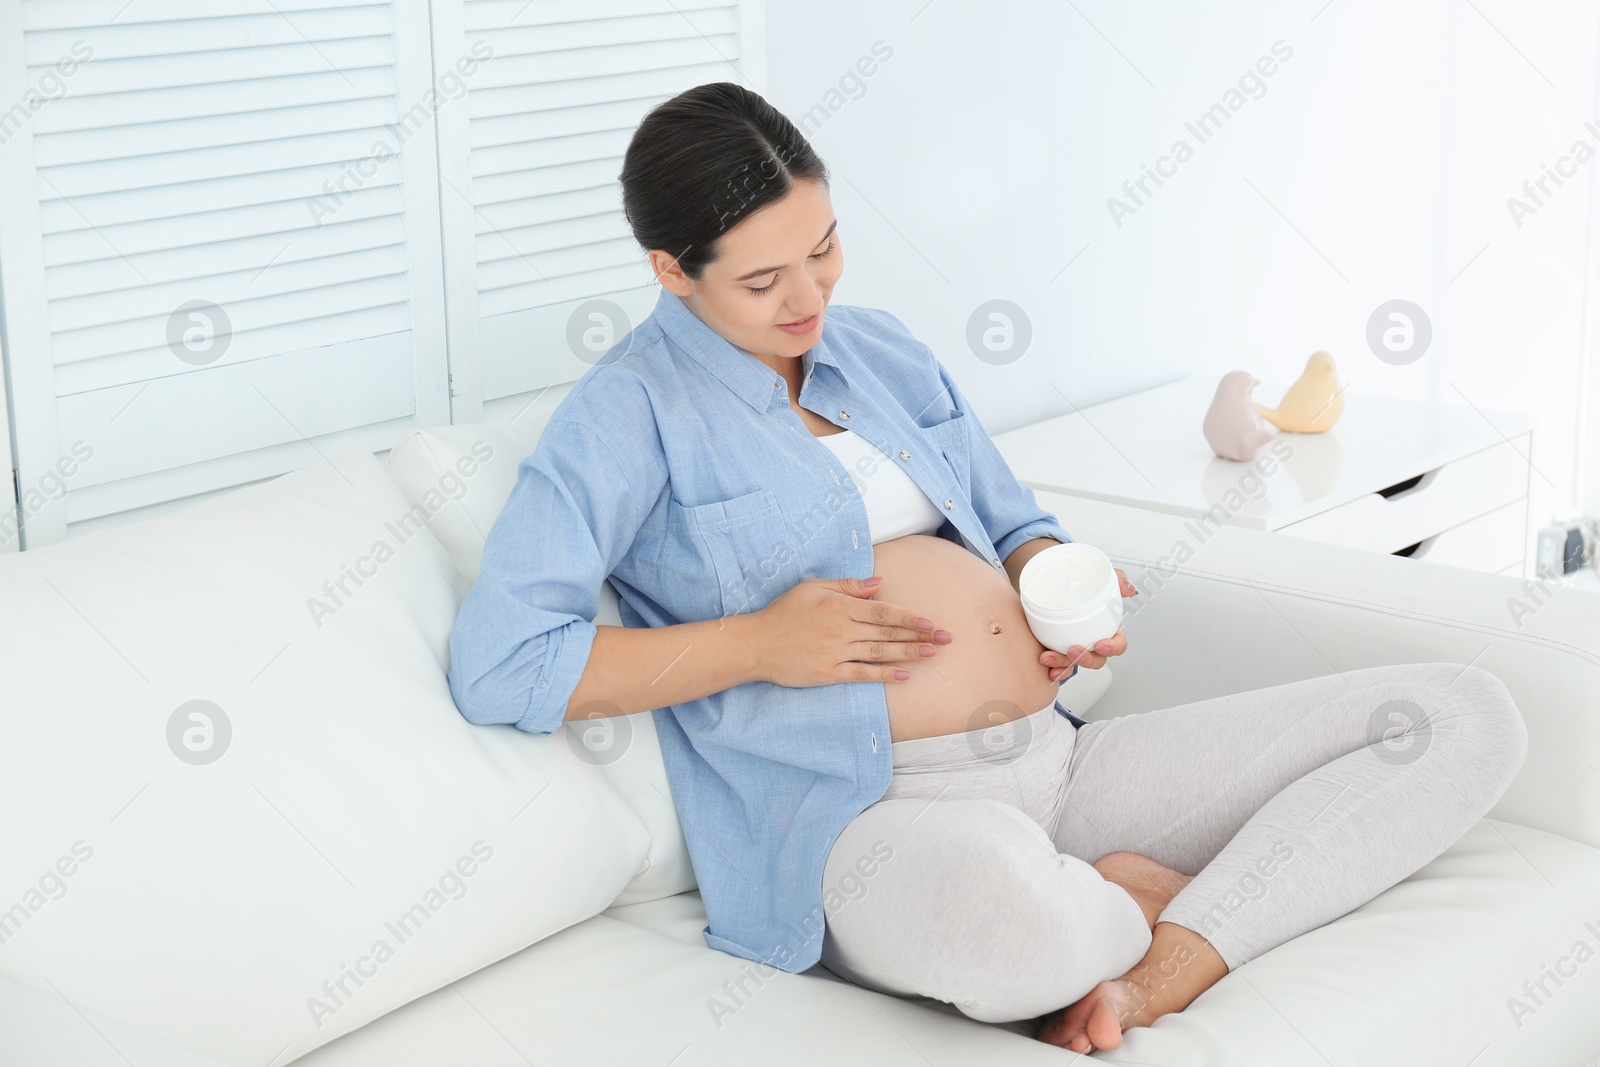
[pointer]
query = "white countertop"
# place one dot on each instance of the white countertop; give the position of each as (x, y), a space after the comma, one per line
(1147, 450)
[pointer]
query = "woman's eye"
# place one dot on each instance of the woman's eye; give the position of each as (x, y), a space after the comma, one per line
(824, 254)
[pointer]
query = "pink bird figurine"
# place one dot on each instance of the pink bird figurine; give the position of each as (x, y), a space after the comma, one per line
(1233, 427)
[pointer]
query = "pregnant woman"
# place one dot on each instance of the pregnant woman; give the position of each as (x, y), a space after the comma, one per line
(817, 548)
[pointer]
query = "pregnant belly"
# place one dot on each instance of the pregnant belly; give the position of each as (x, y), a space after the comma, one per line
(990, 672)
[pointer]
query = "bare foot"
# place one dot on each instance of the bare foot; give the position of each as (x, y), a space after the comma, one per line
(1151, 885)
(1096, 1021)
(1099, 1019)
(1179, 967)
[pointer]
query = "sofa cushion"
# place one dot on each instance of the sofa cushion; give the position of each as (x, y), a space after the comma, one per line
(1431, 973)
(1452, 943)
(243, 814)
(680, 917)
(461, 477)
(607, 992)
(39, 1029)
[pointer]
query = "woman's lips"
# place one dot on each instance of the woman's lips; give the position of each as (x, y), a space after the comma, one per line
(799, 329)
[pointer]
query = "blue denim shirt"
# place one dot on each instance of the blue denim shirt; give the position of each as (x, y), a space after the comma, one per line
(676, 468)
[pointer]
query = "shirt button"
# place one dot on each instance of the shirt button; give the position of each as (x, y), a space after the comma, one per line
(995, 562)
(948, 504)
(843, 414)
(874, 742)
(904, 454)
(778, 384)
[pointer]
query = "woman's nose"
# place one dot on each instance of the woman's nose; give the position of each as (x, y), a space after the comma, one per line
(806, 297)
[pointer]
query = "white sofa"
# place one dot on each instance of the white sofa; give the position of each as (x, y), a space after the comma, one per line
(220, 894)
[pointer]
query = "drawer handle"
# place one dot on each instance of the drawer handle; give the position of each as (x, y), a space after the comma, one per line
(1410, 485)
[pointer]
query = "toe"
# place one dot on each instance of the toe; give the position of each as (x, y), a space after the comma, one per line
(1105, 1026)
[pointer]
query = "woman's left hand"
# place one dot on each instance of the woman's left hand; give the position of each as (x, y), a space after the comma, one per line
(1062, 667)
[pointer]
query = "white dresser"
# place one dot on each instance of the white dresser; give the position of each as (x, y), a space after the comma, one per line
(1433, 482)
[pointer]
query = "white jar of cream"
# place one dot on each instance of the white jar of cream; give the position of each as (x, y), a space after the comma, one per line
(1071, 596)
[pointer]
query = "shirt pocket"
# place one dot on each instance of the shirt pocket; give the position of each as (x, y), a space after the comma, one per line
(749, 546)
(950, 439)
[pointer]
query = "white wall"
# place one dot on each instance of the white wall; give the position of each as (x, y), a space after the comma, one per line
(1375, 164)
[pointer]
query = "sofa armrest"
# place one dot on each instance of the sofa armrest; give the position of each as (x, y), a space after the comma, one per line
(1224, 610)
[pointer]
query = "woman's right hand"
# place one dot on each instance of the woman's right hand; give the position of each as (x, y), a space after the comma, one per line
(827, 630)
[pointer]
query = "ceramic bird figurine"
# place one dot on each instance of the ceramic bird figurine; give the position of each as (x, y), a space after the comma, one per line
(1313, 403)
(1233, 426)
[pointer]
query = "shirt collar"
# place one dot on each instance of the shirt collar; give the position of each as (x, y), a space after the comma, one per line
(749, 378)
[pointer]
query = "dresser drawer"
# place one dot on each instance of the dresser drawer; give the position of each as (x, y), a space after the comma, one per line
(1445, 497)
(1490, 543)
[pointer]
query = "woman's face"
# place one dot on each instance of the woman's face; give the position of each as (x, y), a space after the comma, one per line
(774, 268)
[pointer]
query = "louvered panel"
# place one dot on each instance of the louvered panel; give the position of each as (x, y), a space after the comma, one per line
(490, 192)
(686, 21)
(248, 39)
(223, 257)
(548, 118)
(327, 334)
(244, 288)
(155, 73)
(575, 287)
(513, 102)
(303, 184)
(181, 135)
(149, 334)
(135, 318)
(534, 267)
(528, 155)
(246, 154)
(73, 112)
(685, 49)
(561, 122)
(495, 14)
(286, 218)
(39, 16)
(159, 74)
(203, 164)
(566, 233)
(515, 214)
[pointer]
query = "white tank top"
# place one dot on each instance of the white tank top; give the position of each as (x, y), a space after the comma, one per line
(895, 506)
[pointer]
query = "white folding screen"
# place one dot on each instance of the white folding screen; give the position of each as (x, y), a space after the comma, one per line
(219, 250)
(532, 210)
(10, 521)
(239, 235)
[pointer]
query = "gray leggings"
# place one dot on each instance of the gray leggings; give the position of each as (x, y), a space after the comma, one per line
(971, 882)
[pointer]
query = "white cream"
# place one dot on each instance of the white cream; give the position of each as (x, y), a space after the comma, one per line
(1071, 596)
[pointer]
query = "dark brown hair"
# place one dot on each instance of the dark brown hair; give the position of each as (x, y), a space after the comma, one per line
(704, 160)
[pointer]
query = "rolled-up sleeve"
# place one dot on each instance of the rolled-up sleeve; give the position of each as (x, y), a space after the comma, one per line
(523, 634)
(1007, 508)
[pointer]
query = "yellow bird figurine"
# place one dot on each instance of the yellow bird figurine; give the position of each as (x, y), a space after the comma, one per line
(1313, 403)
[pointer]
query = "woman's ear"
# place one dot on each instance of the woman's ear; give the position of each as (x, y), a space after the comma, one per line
(670, 274)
